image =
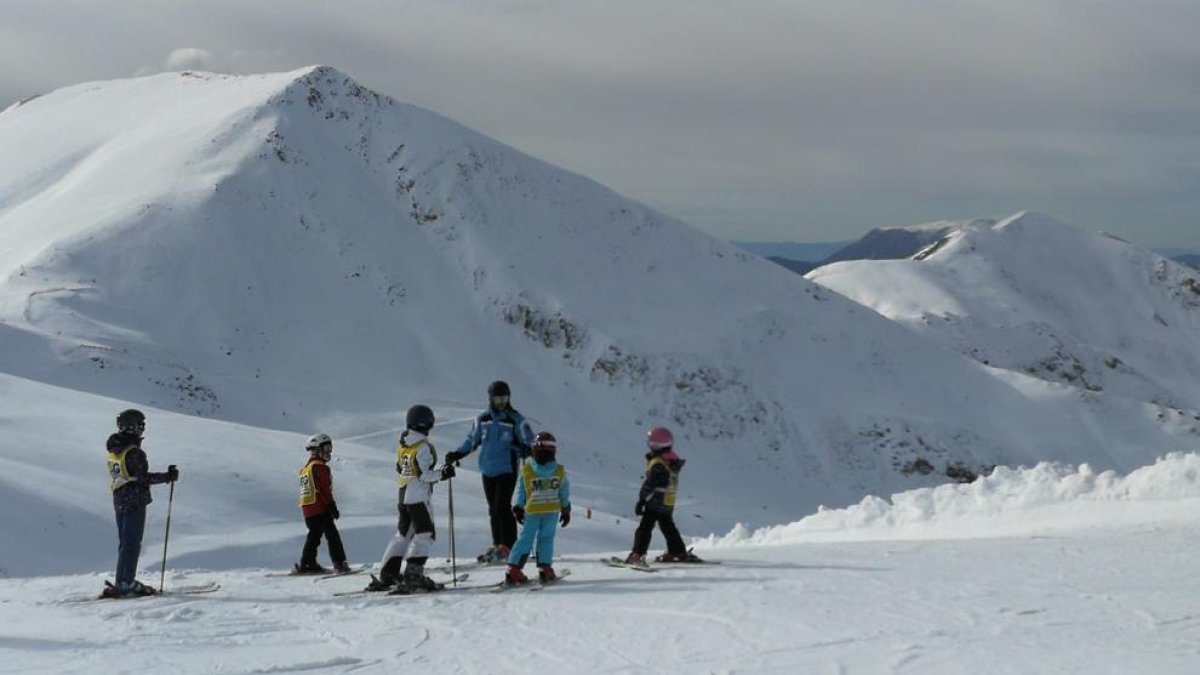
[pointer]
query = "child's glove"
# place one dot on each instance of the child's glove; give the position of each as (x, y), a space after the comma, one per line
(640, 509)
(333, 511)
(448, 472)
(564, 517)
(172, 473)
(519, 514)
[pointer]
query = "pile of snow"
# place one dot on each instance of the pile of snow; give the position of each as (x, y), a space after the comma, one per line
(1009, 501)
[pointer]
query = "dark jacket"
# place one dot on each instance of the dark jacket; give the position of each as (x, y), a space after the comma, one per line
(136, 493)
(658, 480)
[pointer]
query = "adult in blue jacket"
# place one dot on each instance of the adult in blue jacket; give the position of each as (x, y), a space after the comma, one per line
(502, 437)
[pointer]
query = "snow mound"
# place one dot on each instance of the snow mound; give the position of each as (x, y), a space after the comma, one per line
(1008, 502)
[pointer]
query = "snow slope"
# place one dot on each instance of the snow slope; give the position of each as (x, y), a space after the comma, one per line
(1046, 582)
(1037, 296)
(293, 252)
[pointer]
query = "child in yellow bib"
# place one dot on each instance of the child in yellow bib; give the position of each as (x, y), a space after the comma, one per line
(543, 501)
(320, 509)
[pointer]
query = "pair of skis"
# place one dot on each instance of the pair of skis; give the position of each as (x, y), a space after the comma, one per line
(197, 589)
(319, 576)
(401, 590)
(531, 585)
(643, 566)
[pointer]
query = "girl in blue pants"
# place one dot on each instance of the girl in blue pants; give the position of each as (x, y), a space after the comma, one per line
(543, 501)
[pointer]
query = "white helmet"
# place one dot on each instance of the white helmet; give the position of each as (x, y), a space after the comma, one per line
(320, 443)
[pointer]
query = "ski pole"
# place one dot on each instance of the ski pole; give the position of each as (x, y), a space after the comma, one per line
(162, 575)
(453, 552)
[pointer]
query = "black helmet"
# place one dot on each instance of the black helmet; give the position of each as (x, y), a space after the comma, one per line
(499, 388)
(131, 421)
(419, 419)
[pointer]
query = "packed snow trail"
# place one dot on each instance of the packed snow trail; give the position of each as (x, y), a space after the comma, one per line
(1108, 600)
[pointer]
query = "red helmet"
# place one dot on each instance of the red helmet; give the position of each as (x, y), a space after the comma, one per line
(660, 438)
(544, 447)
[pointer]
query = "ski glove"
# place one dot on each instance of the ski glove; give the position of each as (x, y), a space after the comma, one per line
(519, 514)
(448, 472)
(564, 517)
(333, 511)
(172, 473)
(640, 509)
(454, 457)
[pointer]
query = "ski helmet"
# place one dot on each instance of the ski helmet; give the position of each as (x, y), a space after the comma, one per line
(660, 438)
(419, 419)
(544, 447)
(131, 421)
(320, 444)
(499, 395)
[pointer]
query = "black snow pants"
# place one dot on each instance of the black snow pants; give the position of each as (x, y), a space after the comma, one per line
(665, 520)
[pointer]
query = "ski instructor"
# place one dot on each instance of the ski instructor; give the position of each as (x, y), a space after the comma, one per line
(503, 437)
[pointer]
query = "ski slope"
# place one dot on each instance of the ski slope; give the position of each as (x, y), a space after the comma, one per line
(1049, 569)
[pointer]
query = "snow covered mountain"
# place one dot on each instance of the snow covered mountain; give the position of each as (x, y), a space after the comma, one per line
(890, 243)
(1034, 295)
(292, 251)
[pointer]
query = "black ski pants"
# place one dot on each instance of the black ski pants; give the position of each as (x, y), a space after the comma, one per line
(498, 490)
(322, 526)
(666, 522)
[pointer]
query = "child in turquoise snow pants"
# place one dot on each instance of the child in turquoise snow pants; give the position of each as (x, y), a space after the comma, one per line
(543, 501)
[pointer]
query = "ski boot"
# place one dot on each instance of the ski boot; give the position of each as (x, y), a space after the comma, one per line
(495, 555)
(415, 581)
(309, 568)
(515, 576)
(636, 560)
(127, 589)
(342, 568)
(546, 574)
(685, 557)
(388, 577)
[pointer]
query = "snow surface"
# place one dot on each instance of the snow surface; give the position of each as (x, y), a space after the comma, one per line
(1049, 569)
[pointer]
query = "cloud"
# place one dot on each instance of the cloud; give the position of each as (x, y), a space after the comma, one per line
(189, 58)
(776, 118)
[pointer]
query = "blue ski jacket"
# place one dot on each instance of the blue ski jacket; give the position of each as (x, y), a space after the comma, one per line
(503, 438)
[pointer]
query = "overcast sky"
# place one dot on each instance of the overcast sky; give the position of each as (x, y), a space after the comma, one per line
(764, 120)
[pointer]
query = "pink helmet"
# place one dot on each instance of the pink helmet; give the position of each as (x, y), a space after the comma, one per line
(660, 438)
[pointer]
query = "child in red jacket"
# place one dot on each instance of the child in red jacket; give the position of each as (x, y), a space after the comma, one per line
(320, 509)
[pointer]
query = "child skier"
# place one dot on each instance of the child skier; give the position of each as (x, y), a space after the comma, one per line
(130, 480)
(543, 501)
(319, 508)
(656, 501)
(415, 461)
